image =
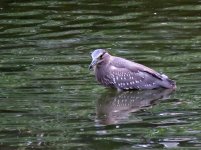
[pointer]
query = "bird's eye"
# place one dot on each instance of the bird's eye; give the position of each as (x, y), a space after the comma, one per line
(101, 56)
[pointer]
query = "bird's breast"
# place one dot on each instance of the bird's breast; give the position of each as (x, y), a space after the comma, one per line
(103, 76)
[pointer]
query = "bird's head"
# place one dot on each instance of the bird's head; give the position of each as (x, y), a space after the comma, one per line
(97, 56)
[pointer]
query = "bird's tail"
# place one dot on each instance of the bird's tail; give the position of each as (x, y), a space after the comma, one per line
(170, 84)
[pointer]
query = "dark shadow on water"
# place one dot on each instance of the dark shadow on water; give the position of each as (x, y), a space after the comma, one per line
(115, 107)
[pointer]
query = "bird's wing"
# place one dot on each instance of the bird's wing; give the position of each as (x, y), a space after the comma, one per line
(135, 67)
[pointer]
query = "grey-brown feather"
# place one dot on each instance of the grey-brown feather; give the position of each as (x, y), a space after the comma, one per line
(133, 66)
(124, 74)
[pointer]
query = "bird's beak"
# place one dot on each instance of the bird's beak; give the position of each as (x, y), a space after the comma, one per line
(93, 63)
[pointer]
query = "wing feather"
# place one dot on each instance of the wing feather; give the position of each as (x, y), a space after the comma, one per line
(134, 67)
(126, 74)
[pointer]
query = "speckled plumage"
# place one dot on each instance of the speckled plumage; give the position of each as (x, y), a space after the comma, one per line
(120, 73)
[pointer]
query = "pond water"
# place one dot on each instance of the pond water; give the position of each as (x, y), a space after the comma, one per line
(50, 100)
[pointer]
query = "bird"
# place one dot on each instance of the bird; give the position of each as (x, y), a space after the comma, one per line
(123, 74)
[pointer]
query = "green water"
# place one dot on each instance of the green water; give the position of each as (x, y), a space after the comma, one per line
(50, 100)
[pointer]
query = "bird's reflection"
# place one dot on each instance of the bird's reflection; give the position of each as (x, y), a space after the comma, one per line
(114, 108)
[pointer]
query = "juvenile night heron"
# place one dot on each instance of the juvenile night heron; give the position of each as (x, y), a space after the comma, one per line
(122, 74)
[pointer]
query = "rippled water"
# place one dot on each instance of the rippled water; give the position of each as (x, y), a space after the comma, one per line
(50, 100)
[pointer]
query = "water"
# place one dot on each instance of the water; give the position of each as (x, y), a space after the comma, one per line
(50, 100)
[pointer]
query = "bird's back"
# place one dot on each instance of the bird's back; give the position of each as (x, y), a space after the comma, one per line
(126, 74)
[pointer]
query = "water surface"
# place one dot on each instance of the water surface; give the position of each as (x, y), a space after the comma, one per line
(50, 100)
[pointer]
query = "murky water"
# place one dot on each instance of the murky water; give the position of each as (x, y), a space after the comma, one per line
(50, 100)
